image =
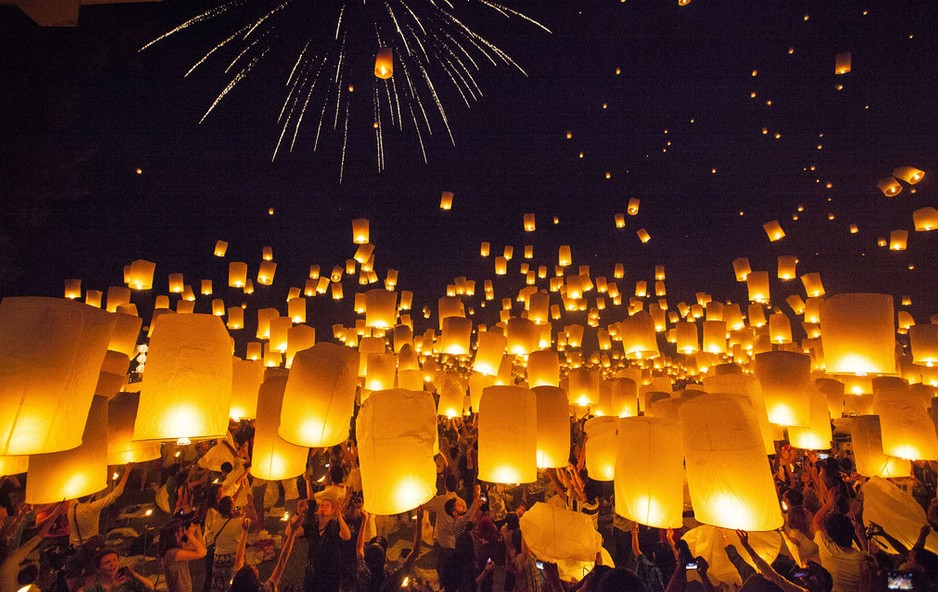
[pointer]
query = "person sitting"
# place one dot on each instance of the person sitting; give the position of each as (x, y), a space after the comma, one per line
(374, 572)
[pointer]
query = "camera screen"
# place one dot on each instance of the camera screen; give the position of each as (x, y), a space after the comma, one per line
(899, 580)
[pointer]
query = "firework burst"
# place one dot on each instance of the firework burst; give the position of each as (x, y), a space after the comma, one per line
(330, 46)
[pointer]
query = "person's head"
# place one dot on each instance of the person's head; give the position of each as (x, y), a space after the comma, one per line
(839, 529)
(816, 579)
(171, 535)
(799, 519)
(512, 521)
(793, 498)
(214, 495)
(28, 574)
(226, 507)
(226, 467)
(374, 558)
(107, 562)
(591, 490)
(450, 483)
(520, 510)
(336, 473)
(245, 579)
(830, 472)
(326, 508)
(455, 507)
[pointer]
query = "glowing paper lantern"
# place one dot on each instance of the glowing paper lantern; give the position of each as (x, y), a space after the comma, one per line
(871, 461)
(456, 336)
(925, 219)
(786, 381)
(74, 473)
(638, 336)
(266, 272)
(273, 457)
(13, 465)
(553, 427)
(507, 435)
(384, 63)
(446, 200)
(652, 492)
(452, 391)
(221, 247)
(858, 334)
(396, 432)
(643, 235)
(360, 231)
(741, 268)
(247, 376)
(140, 275)
(489, 351)
(842, 63)
(583, 389)
(910, 175)
(779, 328)
(523, 336)
(624, 397)
(380, 309)
(889, 186)
(758, 284)
(907, 429)
(121, 448)
(924, 342)
(543, 368)
(714, 337)
(773, 230)
(601, 447)
(186, 391)
(633, 206)
(686, 334)
(237, 274)
(51, 351)
(72, 289)
(817, 434)
(729, 479)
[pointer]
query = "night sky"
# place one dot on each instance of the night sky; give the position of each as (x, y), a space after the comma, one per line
(82, 109)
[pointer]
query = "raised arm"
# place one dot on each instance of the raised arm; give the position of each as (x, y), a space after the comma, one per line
(287, 550)
(415, 544)
(242, 543)
(636, 547)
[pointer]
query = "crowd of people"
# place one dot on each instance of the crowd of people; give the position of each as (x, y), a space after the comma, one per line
(470, 532)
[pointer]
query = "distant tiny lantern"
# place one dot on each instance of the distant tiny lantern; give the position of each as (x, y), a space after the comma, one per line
(384, 63)
(446, 200)
(842, 63)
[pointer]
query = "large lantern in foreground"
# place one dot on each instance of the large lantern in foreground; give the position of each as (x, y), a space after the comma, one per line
(867, 439)
(247, 376)
(51, 351)
(602, 433)
(186, 390)
(274, 458)
(553, 427)
(121, 448)
(652, 465)
(72, 473)
(320, 396)
(508, 435)
(728, 476)
(396, 432)
(858, 334)
(907, 428)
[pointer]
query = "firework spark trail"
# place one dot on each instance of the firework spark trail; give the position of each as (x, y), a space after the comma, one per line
(344, 145)
(510, 12)
(299, 121)
(235, 35)
(207, 15)
(299, 59)
(436, 100)
(238, 57)
(423, 150)
(238, 78)
(264, 18)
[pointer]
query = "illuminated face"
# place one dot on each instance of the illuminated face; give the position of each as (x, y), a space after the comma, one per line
(326, 508)
(109, 564)
(460, 508)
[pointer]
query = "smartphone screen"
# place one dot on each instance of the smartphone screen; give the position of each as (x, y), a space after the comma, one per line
(899, 580)
(690, 565)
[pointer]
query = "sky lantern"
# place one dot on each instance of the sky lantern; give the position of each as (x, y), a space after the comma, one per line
(186, 391)
(925, 219)
(360, 231)
(543, 368)
(758, 284)
(601, 447)
(299, 337)
(51, 352)
(773, 230)
(452, 391)
(653, 492)
(396, 432)
(910, 175)
(446, 200)
(858, 334)
(842, 63)
(889, 186)
(116, 296)
(686, 335)
(871, 461)
(320, 396)
(176, 283)
(924, 341)
(523, 336)
(380, 308)
(834, 392)
(633, 206)
(237, 274)
(741, 268)
(380, 371)
(786, 382)
(140, 275)
(235, 318)
(529, 224)
(221, 247)
(489, 351)
(714, 337)
(73, 288)
(748, 386)
(456, 336)
(624, 397)
(553, 427)
(273, 457)
(266, 272)
(813, 286)
(507, 435)
(779, 328)
(564, 256)
(786, 267)
(728, 476)
(583, 386)
(817, 434)
(384, 63)
(121, 448)
(898, 240)
(76, 472)
(643, 235)
(247, 376)
(907, 429)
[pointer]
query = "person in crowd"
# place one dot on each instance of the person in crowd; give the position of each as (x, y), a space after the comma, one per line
(813, 578)
(323, 530)
(647, 571)
(84, 514)
(834, 533)
(223, 528)
(246, 578)
(458, 571)
(11, 558)
(375, 574)
(489, 547)
(111, 577)
(443, 525)
(799, 536)
(180, 543)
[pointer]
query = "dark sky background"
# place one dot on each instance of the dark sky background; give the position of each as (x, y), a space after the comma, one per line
(81, 109)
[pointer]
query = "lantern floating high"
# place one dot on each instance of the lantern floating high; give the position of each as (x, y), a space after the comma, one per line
(858, 334)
